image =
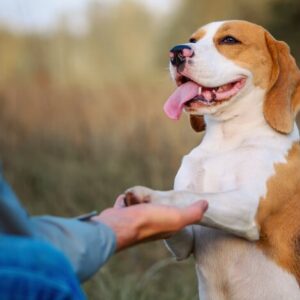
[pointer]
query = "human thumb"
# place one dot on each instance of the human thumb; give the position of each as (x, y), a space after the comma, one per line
(193, 213)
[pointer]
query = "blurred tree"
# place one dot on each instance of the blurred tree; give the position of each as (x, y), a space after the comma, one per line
(119, 40)
(285, 23)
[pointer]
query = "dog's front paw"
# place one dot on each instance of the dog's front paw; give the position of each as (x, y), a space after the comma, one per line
(138, 195)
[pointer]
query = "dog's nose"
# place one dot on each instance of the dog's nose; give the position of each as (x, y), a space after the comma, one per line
(179, 53)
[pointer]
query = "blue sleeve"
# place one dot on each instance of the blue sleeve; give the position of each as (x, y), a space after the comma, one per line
(87, 244)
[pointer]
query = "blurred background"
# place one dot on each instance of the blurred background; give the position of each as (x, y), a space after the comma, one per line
(82, 85)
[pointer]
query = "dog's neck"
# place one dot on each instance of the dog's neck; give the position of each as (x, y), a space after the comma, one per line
(241, 122)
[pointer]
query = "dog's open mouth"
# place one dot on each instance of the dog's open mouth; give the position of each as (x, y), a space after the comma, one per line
(191, 95)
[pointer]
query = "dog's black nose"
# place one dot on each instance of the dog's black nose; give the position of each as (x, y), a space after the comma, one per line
(179, 53)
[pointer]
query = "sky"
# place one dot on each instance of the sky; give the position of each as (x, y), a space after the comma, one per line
(41, 15)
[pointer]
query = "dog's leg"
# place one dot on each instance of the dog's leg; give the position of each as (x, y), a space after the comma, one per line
(181, 244)
(233, 211)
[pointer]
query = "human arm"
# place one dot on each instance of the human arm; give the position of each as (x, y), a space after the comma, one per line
(139, 223)
(89, 244)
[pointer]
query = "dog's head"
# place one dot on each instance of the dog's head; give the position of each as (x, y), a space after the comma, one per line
(225, 61)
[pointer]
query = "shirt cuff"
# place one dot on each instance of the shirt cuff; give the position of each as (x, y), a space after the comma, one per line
(87, 244)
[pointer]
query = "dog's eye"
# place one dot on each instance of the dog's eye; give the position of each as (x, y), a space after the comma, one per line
(229, 40)
(192, 40)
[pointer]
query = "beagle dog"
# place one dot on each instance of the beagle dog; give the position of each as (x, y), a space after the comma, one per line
(243, 86)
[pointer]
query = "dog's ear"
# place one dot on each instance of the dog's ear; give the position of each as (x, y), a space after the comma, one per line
(197, 123)
(283, 95)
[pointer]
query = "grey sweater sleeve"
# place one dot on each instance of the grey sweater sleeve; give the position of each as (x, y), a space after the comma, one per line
(87, 244)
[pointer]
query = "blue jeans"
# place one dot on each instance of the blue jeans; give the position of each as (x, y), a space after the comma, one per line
(33, 270)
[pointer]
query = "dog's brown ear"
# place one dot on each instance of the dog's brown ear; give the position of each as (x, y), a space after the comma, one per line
(283, 96)
(197, 123)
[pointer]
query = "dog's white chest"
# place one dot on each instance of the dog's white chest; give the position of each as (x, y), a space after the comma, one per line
(206, 173)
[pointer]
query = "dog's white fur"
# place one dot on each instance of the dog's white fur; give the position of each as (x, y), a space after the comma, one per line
(229, 169)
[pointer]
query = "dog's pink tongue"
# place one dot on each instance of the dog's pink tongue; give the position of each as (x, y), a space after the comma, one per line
(174, 105)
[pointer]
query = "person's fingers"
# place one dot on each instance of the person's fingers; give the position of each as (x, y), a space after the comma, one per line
(194, 212)
(120, 203)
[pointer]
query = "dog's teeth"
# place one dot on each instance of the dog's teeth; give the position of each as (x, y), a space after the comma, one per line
(200, 90)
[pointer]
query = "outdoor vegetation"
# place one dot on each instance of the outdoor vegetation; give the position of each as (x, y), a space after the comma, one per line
(82, 120)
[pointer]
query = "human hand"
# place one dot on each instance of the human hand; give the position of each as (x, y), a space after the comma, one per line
(144, 222)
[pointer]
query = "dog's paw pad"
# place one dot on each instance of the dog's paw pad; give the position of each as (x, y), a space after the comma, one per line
(136, 196)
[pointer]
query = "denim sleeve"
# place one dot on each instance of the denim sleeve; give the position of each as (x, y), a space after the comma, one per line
(87, 244)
